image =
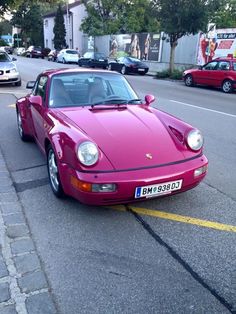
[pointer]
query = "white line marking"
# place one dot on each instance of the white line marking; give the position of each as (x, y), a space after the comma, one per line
(215, 111)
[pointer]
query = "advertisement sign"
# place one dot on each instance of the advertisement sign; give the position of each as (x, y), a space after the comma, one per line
(145, 46)
(222, 45)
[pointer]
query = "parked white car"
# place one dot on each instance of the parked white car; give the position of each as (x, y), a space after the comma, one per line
(20, 51)
(8, 70)
(68, 56)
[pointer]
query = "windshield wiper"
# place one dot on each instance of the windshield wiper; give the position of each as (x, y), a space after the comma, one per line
(112, 101)
(131, 101)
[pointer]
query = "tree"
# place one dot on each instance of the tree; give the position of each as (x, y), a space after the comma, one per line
(29, 19)
(225, 17)
(183, 17)
(5, 27)
(59, 30)
(120, 16)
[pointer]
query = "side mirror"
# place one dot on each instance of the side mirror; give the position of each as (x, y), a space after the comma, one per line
(149, 99)
(14, 59)
(30, 84)
(36, 100)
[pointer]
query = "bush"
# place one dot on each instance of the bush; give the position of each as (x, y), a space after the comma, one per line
(176, 75)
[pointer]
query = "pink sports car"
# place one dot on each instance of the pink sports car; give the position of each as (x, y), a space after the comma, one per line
(103, 144)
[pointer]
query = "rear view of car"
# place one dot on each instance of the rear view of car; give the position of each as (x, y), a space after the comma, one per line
(34, 52)
(94, 60)
(8, 70)
(68, 56)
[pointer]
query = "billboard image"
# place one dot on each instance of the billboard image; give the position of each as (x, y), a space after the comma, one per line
(145, 46)
(221, 45)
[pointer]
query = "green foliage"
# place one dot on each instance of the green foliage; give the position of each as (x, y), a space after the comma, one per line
(118, 17)
(225, 16)
(5, 27)
(175, 75)
(29, 18)
(59, 30)
(2, 42)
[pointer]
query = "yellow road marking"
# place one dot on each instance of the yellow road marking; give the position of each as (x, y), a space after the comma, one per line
(179, 218)
(12, 106)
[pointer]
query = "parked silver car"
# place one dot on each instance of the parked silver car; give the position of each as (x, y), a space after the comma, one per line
(8, 70)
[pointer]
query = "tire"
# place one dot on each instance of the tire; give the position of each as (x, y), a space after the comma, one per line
(23, 136)
(109, 68)
(18, 83)
(227, 86)
(79, 64)
(188, 80)
(123, 70)
(64, 61)
(31, 56)
(53, 173)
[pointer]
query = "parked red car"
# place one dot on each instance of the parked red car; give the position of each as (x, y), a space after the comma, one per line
(103, 144)
(34, 52)
(220, 73)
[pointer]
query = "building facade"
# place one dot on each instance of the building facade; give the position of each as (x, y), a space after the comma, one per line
(73, 15)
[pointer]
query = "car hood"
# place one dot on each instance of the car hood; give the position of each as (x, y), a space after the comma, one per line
(130, 137)
(7, 65)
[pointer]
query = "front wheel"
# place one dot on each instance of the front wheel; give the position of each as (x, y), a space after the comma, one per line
(227, 86)
(21, 131)
(188, 80)
(63, 61)
(53, 173)
(123, 70)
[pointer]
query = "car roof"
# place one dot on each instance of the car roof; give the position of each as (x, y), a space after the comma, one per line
(51, 72)
(225, 59)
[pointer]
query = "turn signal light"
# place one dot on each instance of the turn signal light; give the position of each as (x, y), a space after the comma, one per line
(80, 185)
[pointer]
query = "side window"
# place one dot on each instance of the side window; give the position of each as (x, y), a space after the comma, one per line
(234, 66)
(224, 65)
(41, 87)
(210, 66)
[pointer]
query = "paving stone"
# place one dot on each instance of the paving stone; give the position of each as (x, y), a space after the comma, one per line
(15, 231)
(5, 181)
(22, 246)
(40, 304)
(4, 292)
(32, 281)
(3, 269)
(9, 309)
(8, 197)
(26, 263)
(11, 208)
(12, 219)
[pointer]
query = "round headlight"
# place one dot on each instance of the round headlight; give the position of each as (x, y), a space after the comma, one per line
(195, 139)
(87, 153)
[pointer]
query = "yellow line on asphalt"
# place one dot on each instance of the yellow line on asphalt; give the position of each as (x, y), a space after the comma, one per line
(178, 218)
(12, 106)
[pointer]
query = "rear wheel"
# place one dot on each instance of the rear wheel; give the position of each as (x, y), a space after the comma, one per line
(53, 173)
(227, 86)
(123, 70)
(188, 80)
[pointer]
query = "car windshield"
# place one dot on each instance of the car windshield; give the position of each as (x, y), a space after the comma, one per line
(4, 57)
(90, 89)
(133, 59)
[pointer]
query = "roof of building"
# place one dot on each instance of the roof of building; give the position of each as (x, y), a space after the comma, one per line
(64, 9)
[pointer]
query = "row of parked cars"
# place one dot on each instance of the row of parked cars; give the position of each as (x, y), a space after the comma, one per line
(124, 65)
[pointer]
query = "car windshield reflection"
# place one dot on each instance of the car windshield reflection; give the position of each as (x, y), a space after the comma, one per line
(89, 89)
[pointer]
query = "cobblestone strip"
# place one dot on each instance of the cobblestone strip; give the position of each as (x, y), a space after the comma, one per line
(23, 286)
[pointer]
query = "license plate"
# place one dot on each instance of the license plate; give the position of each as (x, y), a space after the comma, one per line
(141, 70)
(101, 60)
(158, 189)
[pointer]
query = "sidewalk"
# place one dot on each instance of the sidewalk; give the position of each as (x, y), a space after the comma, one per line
(24, 287)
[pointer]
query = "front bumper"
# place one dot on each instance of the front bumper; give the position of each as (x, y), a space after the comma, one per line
(127, 181)
(9, 78)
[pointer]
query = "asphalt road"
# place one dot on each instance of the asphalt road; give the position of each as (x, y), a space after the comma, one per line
(165, 255)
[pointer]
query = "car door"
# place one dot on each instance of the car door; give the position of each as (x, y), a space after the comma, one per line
(38, 111)
(222, 72)
(207, 74)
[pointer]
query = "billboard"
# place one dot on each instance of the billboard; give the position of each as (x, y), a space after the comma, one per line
(145, 46)
(222, 45)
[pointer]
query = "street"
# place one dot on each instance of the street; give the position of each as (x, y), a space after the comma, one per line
(165, 255)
